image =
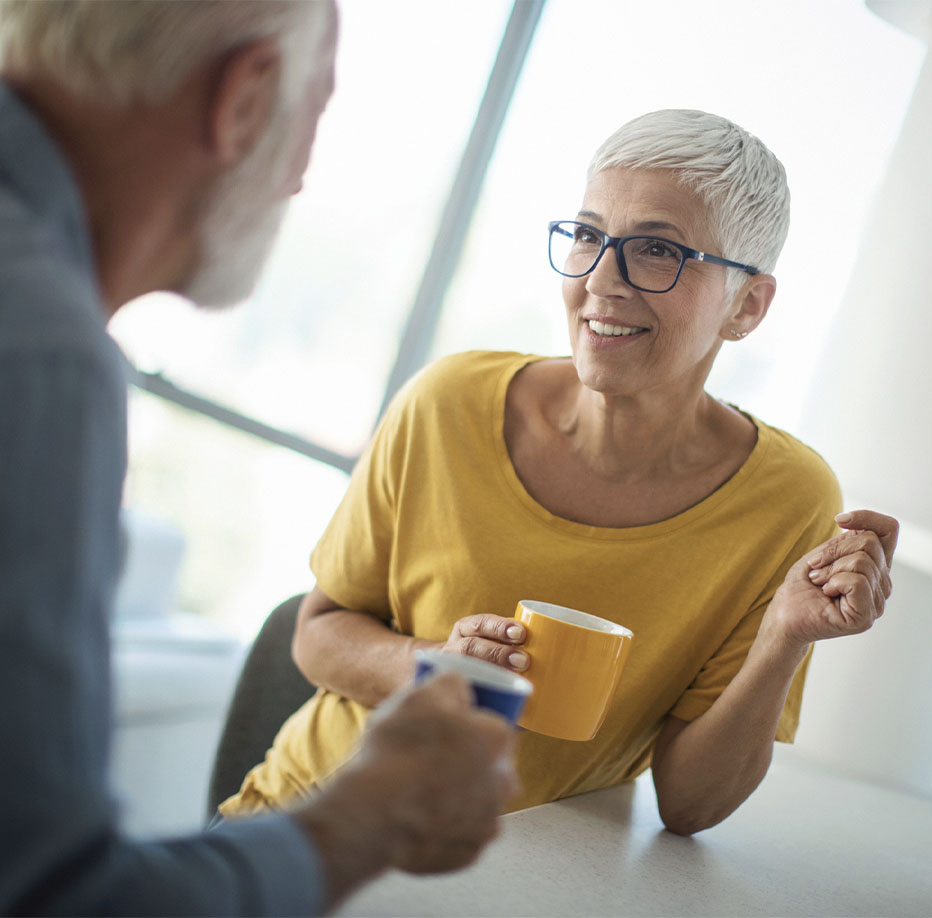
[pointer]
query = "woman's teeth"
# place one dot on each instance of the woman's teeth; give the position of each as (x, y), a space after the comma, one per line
(612, 331)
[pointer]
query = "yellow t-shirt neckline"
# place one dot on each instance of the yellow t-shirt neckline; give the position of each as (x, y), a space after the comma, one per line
(516, 490)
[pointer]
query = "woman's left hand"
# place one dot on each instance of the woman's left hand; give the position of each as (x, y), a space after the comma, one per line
(838, 588)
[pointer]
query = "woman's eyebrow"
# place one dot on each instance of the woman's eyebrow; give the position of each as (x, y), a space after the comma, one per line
(659, 225)
(644, 226)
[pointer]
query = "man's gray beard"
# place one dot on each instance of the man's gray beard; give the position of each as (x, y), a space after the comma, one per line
(236, 240)
(242, 221)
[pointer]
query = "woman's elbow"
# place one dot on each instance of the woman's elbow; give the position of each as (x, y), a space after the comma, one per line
(687, 817)
(304, 649)
(686, 823)
(308, 636)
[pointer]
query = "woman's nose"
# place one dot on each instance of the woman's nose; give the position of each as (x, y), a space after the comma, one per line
(605, 278)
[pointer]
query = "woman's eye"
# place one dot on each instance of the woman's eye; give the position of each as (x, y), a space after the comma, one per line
(585, 236)
(657, 248)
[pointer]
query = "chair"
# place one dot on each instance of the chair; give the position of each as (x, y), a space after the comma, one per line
(270, 689)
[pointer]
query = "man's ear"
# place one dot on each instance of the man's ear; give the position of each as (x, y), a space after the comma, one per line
(243, 99)
(750, 306)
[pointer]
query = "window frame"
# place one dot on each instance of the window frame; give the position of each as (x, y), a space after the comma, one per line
(424, 314)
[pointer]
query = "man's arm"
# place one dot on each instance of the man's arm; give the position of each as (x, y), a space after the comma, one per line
(423, 793)
(61, 468)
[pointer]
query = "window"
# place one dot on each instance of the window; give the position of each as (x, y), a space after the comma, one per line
(825, 85)
(312, 351)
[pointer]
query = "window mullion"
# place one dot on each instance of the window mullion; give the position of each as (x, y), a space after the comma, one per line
(457, 214)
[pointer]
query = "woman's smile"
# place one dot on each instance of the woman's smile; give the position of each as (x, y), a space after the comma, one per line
(601, 335)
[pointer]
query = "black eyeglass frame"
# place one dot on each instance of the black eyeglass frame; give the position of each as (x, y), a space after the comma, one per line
(617, 242)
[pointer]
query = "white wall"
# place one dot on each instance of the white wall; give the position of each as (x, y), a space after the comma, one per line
(867, 710)
(868, 707)
(871, 405)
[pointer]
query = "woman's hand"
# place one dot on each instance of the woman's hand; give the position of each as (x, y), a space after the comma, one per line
(490, 637)
(838, 588)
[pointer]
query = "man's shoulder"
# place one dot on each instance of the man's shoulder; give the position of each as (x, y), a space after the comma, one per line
(49, 305)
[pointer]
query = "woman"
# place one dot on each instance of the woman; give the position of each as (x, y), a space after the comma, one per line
(610, 482)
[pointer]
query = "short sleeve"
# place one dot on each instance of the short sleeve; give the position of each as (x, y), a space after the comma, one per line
(351, 561)
(724, 665)
(718, 672)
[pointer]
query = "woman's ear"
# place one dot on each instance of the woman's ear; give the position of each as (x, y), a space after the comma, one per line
(244, 95)
(750, 306)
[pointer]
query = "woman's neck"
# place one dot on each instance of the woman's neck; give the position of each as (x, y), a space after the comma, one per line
(625, 438)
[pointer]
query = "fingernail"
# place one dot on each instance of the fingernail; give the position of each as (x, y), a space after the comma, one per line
(814, 575)
(845, 517)
(514, 632)
(518, 660)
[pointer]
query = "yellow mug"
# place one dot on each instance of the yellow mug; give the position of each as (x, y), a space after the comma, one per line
(576, 662)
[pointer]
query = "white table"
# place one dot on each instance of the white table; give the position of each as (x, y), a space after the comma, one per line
(808, 842)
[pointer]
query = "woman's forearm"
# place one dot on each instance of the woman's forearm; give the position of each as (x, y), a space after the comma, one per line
(704, 770)
(354, 654)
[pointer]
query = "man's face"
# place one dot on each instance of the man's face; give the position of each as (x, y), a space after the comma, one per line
(246, 206)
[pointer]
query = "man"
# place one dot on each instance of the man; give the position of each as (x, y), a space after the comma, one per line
(153, 146)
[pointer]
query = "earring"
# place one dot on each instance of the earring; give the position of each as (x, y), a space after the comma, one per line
(738, 334)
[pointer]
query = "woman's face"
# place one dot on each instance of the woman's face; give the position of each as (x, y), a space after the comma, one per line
(670, 339)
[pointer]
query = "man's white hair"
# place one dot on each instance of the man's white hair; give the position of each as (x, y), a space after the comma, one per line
(735, 175)
(130, 51)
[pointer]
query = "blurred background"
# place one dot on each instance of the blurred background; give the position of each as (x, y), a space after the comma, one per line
(457, 131)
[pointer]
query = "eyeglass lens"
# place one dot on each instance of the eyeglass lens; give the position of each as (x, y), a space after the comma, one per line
(652, 263)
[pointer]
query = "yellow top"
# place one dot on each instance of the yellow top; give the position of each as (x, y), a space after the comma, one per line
(436, 525)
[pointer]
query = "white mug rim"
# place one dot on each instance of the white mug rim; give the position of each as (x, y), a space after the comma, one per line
(575, 617)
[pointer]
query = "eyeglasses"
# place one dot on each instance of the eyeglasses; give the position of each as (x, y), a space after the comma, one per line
(647, 263)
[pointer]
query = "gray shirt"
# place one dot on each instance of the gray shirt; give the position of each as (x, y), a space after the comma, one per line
(62, 462)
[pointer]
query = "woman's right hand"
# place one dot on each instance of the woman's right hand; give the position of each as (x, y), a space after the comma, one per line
(492, 638)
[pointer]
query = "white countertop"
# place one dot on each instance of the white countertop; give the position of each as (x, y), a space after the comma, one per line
(808, 842)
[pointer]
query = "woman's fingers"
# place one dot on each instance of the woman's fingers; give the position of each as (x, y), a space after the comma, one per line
(494, 627)
(858, 562)
(848, 543)
(499, 654)
(886, 528)
(492, 638)
(851, 571)
(859, 602)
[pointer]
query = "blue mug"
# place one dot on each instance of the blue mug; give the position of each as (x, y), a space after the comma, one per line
(494, 687)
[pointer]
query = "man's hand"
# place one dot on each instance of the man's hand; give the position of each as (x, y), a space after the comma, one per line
(838, 588)
(422, 794)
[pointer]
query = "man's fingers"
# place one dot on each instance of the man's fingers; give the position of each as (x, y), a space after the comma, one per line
(886, 527)
(447, 690)
(443, 856)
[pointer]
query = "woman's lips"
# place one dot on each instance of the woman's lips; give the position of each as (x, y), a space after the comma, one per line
(608, 329)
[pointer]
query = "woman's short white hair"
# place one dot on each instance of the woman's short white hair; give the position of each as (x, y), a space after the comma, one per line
(130, 51)
(740, 181)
